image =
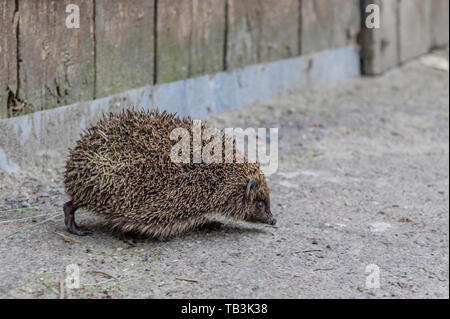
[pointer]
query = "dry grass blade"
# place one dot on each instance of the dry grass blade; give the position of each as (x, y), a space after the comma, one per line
(21, 219)
(31, 226)
(49, 287)
(20, 209)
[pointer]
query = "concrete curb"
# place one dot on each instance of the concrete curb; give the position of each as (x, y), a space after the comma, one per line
(25, 139)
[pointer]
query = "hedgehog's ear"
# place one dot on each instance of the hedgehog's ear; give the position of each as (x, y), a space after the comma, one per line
(250, 185)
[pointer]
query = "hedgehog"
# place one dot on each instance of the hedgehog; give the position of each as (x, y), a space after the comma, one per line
(121, 169)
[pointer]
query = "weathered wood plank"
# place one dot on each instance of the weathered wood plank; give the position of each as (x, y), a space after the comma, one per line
(208, 36)
(328, 24)
(57, 63)
(439, 22)
(279, 30)
(124, 45)
(190, 37)
(414, 32)
(380, 46)
(8, 57)
(173, 39)
(261, 31)
(243, 33)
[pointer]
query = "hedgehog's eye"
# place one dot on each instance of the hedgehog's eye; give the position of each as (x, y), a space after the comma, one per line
(261, 204)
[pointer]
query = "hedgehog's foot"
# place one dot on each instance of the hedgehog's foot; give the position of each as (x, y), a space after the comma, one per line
(210, 225)
(165, 238)
(69, 220)
(128, 239)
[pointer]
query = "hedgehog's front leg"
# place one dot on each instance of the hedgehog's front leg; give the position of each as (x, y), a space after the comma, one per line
(69, 220)
(208, 224)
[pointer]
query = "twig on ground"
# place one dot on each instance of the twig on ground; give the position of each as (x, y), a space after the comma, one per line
(305, 251)
(61, 288)
(100, 273)
(324, 269)
(100, 282)
(67, 239)
(311, 250)
(186, 279)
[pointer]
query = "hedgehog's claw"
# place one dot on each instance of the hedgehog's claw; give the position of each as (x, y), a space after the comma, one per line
(74, 229)
(69, 220)
(84, 232)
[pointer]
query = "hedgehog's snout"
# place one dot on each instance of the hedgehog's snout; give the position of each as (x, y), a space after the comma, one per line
(268, 217)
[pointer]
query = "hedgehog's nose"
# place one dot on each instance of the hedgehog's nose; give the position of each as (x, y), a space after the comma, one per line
(273, 221)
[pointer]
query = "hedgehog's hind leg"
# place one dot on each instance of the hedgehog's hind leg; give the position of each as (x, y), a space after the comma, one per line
(128, 239)
(69, 220)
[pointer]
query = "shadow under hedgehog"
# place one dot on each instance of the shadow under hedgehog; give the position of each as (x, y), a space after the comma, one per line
(121, 169)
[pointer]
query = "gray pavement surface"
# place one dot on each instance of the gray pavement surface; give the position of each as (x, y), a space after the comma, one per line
(363, 179)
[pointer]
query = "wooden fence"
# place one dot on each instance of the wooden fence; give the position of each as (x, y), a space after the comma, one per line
(408, 29)
(131, 43)
(126, 44)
